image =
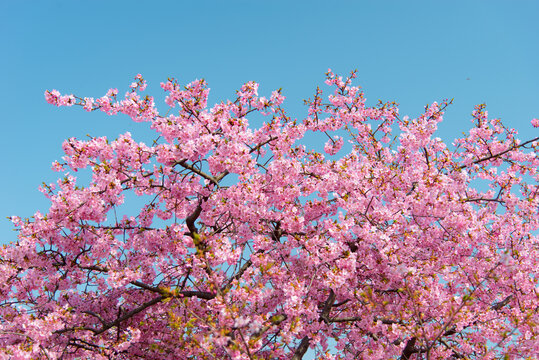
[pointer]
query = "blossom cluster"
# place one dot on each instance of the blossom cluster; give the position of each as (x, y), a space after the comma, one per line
(251, 245)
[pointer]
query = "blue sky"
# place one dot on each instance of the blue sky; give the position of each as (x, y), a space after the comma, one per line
(412, 52)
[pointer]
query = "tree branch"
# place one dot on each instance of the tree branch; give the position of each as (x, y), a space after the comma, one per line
(116, 322)
(409, 349)
(302, 348)
(206, 295)
(497, 306)
(238, 275)
(187, 166)
(499, 154)
(130, 314)
(258, 146)
(324, 316)
(190, 220)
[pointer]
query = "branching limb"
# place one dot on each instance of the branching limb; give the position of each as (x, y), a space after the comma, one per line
(191, 219)
(192, 168)
(409, 349)
(490, 157)
(497, 306)
(302, 348)
(238, 275)
(108, 325)
(258, 146)
(97, 316)
(129, 314)
(206, 295)
(324, 316)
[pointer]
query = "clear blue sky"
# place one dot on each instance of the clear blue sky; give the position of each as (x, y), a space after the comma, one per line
(412, 52)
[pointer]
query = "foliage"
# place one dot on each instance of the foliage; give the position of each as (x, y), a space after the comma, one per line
(252, 246)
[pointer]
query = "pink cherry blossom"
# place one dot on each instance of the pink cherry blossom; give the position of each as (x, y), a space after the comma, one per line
(231, 237)
(333, 146)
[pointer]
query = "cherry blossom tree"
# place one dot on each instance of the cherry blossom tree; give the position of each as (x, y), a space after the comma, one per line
(388, 244)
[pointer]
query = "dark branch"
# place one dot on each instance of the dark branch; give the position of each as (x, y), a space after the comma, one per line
(262, 144)
(324, 316)
(494, 156)
(409, 349)
(184, 164)
(107, 326)
(130, 314)
(238, 275)
(190, 220)
(206, 295)
(199, 294)
(497, 306)
(302, 348)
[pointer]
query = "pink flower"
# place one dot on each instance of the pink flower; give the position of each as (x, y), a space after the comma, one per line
(52, 97)
(251, 241)
(56, 166)
(333, 145)
(88, 103)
